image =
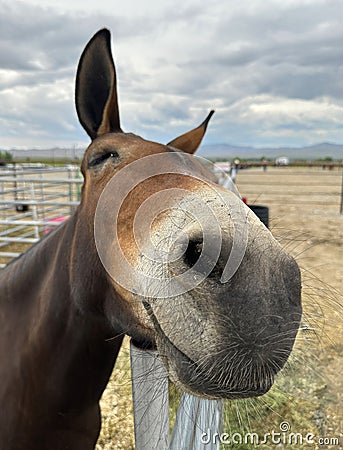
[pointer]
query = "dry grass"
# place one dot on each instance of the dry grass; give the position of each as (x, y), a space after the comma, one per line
(116, 407)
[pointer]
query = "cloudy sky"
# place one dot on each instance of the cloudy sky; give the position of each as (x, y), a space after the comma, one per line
(272, 69)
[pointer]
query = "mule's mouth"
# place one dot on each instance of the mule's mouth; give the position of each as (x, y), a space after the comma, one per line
(146, 344)
(191, 377)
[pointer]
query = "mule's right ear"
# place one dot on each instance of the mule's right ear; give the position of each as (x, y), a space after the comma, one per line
(190, 141)
(96, 90)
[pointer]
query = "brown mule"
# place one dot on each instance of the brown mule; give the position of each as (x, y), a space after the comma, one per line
(63, 315)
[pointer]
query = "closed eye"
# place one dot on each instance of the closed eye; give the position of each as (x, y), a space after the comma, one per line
(100, 159)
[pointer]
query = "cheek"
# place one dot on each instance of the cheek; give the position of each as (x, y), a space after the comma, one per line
(126, 312)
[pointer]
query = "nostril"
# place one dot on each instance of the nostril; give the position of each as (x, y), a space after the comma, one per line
(193, 251)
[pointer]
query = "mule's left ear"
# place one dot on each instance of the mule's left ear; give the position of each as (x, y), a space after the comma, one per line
(191, 140)
(96, 90)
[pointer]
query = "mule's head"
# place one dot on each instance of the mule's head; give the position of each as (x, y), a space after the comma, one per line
(190, 269)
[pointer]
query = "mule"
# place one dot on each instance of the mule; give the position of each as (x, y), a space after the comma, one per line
(67, 302)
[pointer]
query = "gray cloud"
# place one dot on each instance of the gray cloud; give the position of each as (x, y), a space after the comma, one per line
(265, 69)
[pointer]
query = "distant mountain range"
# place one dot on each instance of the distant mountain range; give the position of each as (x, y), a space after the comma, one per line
(225, 151)
(311, 152)
(48, 153)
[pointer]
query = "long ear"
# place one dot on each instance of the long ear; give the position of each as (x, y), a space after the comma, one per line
(191, 140)
(96, 91)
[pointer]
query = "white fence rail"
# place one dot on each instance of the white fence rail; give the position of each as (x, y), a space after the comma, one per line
(32, 202)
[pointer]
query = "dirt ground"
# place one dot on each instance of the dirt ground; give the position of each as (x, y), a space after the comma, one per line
(304, 210)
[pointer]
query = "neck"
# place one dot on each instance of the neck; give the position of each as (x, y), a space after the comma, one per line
(57, 349)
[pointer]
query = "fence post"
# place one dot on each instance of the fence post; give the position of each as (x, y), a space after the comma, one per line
(72, 208)
(42, 195)
(150, 400)
(198, 421)
(341, 208)
(198, 425)
(15, 183)
(34, 211)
